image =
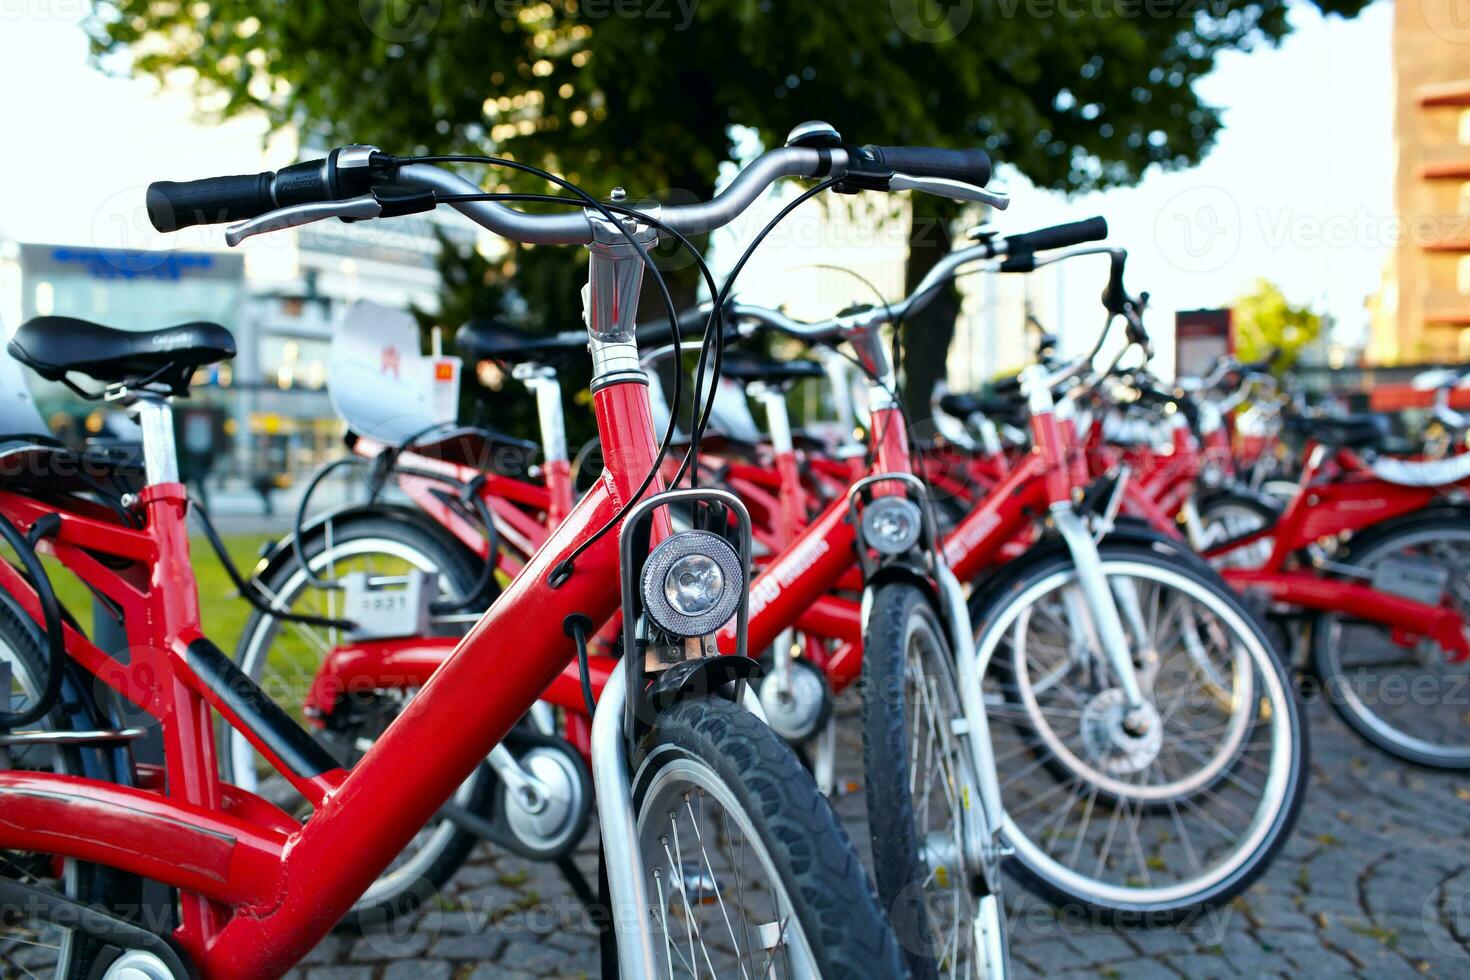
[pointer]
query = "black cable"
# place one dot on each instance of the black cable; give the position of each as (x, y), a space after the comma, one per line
(563, 569)
(714, 327)
(250, 591)
(298, 524)
(47, 696)
(720, 301)
(577, 626)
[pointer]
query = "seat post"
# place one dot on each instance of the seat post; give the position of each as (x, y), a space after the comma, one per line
(773, 399)
(156, 419)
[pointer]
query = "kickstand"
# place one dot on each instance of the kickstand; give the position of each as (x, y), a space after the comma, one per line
(607, 937)
(577, 881)
(824, 766)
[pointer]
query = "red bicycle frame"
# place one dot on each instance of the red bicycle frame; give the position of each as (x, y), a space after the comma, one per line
(1349, 503)
(259, 890)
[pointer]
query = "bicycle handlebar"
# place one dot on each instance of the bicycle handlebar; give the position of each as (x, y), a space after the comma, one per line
(1020, 250)
(359, 182)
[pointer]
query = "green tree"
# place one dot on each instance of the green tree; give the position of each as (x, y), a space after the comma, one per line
(1264, 323)
(642, 93)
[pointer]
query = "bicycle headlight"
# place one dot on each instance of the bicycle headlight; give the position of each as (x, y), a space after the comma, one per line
(692, 583)
(891, 525)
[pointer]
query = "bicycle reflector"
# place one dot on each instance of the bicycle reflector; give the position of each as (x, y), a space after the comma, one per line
(891, 525)
(692, 583)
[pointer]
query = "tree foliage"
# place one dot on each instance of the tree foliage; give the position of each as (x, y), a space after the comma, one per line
(641, 92)
(1077, 94)
(1264, 321)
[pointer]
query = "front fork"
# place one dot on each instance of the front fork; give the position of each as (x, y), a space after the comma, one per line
(1103, 623)
(982, 837)
(1106, 607)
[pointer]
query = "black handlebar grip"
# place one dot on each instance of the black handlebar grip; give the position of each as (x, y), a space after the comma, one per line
(967, 166)
(214, 200)
(1058, 236)
(1008, 386)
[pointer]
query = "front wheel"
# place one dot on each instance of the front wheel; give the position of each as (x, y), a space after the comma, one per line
(1152, 820)
(923, 804)
(749, 871)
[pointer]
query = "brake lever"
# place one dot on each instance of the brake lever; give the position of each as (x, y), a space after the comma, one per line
(353, 209)
(953, 189)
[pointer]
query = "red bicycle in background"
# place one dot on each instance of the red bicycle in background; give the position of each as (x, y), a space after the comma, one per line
(1180, 631)
(1369, 553)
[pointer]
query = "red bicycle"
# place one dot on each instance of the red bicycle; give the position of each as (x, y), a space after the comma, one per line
(692, 789)
(1367, 557)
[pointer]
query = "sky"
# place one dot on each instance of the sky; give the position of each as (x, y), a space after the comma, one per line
(1298, 188)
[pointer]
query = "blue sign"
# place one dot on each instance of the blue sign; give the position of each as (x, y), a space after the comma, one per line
(116, 263)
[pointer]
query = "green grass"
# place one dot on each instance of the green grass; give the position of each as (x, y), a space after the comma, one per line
(221, 609)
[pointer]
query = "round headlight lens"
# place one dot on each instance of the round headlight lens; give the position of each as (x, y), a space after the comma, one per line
(693, 584)
(891, 525)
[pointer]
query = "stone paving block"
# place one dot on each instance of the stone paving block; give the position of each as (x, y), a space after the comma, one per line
(494, 972)
(477, 946)
(534, 958)
(418, 970)
(1201, 966)
(326, 951)
(340, 973)
(378, 946)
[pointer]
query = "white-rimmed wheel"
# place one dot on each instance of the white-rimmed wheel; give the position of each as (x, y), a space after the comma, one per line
(1404, 694)
(749, 872)
(282, 657)
(1155, 813)
(1226, 516)
(29, 945)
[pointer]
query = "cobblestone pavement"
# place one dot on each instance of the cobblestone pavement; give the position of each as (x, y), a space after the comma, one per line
(1375, 882)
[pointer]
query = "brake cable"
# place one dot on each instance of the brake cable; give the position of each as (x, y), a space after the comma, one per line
(563, 569)
(720, 301)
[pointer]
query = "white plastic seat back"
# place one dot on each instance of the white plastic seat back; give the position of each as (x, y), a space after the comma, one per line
(1422, 473)
(379, 382)
(18, 412)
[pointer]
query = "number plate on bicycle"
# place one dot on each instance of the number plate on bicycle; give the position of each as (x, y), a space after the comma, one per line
(1421, 581)
(381, 607)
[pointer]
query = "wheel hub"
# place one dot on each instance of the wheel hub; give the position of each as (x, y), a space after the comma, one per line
(942, 857)
(137, 964)
(795, 710)
(543, 823)
(1118, 741)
